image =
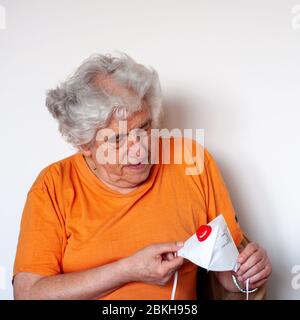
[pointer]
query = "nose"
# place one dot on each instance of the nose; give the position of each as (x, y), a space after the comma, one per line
(137, 152)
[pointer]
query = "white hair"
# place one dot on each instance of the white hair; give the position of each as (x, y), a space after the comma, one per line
(82, 107)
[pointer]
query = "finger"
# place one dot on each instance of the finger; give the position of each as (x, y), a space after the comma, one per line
(173, 271)
(164, 256)
(169, 256)
(256, 262)
(247, 252)
(170, 272)
(258, 283)
(260, 275)
(172, 264)
(161, 248)
(253, 270)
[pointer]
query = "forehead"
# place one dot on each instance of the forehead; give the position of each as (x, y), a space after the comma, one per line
(134, 120)
(112, 87)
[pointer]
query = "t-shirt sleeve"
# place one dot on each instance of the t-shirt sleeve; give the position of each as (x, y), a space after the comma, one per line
(217, 198)
(42, 237)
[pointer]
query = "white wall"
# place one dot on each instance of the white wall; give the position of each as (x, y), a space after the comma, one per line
(231, 67)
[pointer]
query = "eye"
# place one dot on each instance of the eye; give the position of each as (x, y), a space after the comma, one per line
(146, 127)
(111, 140)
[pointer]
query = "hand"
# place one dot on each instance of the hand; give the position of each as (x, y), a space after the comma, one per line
(254, 264)
(155, 264)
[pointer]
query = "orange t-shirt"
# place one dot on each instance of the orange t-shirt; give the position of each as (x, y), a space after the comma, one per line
(72, 221)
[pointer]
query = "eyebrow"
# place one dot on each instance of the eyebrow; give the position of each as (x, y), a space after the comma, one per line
(148, 121)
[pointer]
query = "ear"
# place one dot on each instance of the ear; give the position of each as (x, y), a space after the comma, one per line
(86, 150)
(87, 153)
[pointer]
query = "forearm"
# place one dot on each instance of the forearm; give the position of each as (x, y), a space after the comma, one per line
(89, 284)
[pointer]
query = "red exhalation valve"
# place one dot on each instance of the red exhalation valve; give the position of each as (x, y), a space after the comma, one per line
(203, 232)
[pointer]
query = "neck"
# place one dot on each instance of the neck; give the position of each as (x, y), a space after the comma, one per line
(122, 190)
(93, 168)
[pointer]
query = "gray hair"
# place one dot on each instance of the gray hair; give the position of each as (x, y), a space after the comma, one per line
(81, 107)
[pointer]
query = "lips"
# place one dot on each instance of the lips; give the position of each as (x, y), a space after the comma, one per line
(136, 166)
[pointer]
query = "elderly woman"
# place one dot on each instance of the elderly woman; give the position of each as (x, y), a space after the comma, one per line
(98, 229)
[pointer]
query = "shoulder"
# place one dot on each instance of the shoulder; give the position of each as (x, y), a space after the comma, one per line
(52, 174)
(190, 153)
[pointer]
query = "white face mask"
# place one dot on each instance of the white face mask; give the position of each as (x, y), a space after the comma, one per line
(212, 247)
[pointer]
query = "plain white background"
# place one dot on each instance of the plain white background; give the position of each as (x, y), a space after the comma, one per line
(229, 67)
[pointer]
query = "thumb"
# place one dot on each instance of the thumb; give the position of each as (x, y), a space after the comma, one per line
(172, 264)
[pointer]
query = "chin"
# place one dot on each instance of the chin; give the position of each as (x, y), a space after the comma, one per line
(136, 178)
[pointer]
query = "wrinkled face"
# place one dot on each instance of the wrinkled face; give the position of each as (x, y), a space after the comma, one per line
(125, 144)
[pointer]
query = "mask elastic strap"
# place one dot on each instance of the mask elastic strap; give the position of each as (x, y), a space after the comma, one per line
(174, 283)
(247, 289)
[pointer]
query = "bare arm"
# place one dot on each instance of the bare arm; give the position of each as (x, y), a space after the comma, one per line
(146, 265)
(89, 284)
